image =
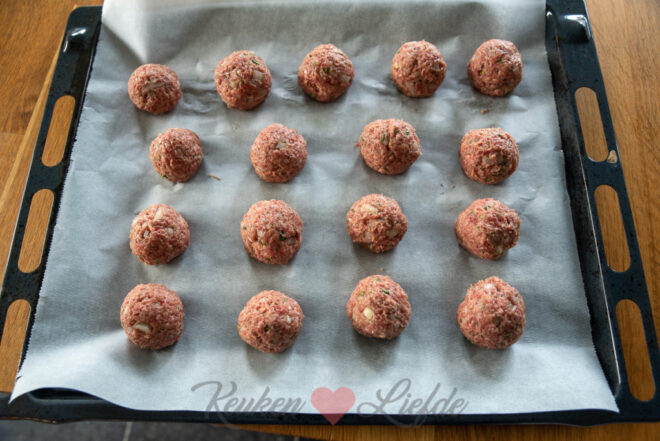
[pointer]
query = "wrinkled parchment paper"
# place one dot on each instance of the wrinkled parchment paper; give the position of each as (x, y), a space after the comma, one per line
(77, 341)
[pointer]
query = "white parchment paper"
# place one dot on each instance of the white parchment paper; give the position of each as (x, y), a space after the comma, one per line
(77, 341)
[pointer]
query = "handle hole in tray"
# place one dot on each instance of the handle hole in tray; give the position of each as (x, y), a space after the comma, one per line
(635, 354)
(58, 131)
(35, 231)
(590, 122)
(11, 346)
(611, 225)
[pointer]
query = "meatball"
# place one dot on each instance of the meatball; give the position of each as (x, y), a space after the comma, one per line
(418, 69)
(159, 234)
(487, 228)
(379, 307)
(176, 154)
(488, 156)
(272, 232)
(492, 315)
(325, 73)
(154, 88)
(389, 146)
(376, 222)
(270, 321)
(243, 80)
(278, 154)
(495, 68)
(152, 316)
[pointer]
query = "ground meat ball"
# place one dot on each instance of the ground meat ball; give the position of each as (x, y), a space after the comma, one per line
(376, 222)
(152, 316)
(495, 68)
(270, 321)
(159, 234)
(389, 146)
(154, 88)
(418, 69)
(278, 153)
(492, 315)
(379, 307)
(488, 156)
(272, 232)
(243, 80)
(325, 73)
(487, 228)
(176, 154)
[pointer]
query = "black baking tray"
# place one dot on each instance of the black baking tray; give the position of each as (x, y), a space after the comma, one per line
(574, 64)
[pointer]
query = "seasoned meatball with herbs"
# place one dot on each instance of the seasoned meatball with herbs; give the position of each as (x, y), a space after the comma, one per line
(496, 68)
(272, 232)
(270, 321)
(418, 69)
(379, 308)
(492, 315)
(154, 88)
(243, 80)
(376, 222)
(325, 73)
(389, 146)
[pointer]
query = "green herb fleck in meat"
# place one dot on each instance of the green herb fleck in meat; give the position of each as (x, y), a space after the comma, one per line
(282, 237)
(385, 291)
(382, 138)
(260, 242)
(326, 70)
(255, 61)
(407, 132)
(362, 293)
(245, 228)
(266, 328)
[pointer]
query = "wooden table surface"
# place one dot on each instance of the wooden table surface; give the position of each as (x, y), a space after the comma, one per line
(628, 43)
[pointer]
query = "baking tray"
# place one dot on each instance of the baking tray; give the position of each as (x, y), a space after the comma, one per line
(573, 63)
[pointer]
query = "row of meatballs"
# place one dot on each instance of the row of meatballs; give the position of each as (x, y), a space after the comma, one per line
(388, 146)
(243, 79)
(272, 231)
(491, 316)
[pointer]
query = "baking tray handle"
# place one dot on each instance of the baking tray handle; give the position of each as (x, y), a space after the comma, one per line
(69, 79)
(577, 50)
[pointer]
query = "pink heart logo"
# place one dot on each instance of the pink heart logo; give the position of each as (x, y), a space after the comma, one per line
(333, 405)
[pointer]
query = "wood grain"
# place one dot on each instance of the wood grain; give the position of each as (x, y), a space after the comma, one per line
(629, 51)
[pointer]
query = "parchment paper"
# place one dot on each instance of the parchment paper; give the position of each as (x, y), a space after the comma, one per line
(77, 341)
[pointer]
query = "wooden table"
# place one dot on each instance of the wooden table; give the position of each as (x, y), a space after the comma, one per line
(628, 43)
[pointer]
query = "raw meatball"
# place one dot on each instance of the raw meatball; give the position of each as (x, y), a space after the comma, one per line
(487, 228)
(159, 234)
(278, 153)
(389, 146)
(418, 69)
(325, 73)
(270, 321)
(243, 80)
(495, 68)
(154, 88)
(492, 315)
(272, 232)
(376, 222)
(176, 154)
(152, 316)
(488, 156)
(379, 307)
